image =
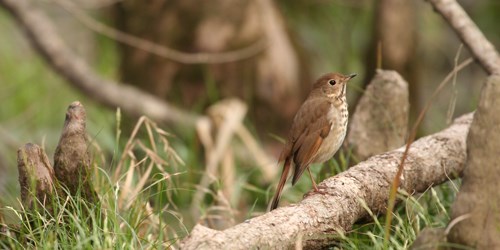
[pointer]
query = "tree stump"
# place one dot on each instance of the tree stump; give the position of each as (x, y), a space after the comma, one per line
(380, 121)
(36, 178)
(41, 184)
(72, 163)
(479, 199)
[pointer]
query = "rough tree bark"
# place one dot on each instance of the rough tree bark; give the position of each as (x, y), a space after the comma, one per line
(72, 160)
(36, 178)
(40, 188)
(431, 161)
(478, 197)
(380, 121)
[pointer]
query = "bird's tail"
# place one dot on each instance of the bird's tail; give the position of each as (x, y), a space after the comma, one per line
(281, 184)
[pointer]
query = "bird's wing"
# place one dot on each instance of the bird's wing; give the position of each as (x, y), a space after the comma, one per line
(316, 129)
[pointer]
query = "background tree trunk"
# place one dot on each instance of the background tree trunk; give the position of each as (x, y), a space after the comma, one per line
(395, 37)
(270, 81)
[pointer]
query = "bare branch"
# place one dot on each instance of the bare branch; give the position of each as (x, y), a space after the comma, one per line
(430, 161)
(160, 50)
(45, 39)
(470, 34)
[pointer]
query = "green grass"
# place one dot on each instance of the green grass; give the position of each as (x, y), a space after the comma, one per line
(126, 216)
(79, 225)
(430, 209)
(135, 213)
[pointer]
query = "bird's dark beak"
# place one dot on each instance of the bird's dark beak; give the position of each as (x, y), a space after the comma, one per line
(351, 76)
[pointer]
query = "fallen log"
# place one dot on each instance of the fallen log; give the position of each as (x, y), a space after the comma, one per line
(432, 160)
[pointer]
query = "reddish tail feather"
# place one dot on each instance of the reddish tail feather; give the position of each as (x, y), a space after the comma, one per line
(281, 184)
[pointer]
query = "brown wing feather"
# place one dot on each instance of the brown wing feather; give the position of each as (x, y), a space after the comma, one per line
(310, 139)
(306, 154)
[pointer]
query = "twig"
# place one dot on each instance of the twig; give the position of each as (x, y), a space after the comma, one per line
(456, 221)
(453, 101)
(470, 34)
(264, 161)
(231, 113)
(160, 50)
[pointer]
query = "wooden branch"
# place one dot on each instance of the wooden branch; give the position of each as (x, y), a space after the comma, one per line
(431, 160)
(44, 38)
(470, 34)
(160, 50)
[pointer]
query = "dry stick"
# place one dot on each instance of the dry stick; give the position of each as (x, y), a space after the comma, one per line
(266, 163)
(453, 101)
(232, 112)
(160, 50)
(395, 183)
(469, 33)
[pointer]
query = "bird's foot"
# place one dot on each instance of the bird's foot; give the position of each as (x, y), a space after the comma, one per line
(317, 190)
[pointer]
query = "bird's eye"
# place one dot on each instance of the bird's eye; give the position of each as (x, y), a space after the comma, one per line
(332, 82)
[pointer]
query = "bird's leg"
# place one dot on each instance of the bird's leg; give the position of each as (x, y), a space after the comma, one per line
(315, 187)
(312, 180)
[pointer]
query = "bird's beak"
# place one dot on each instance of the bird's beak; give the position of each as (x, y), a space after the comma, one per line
(351, 76)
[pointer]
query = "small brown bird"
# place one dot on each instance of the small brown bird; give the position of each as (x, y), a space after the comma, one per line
(318, 129)
(72, 157)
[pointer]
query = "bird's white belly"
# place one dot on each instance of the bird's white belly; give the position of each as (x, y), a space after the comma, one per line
(332, 142)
